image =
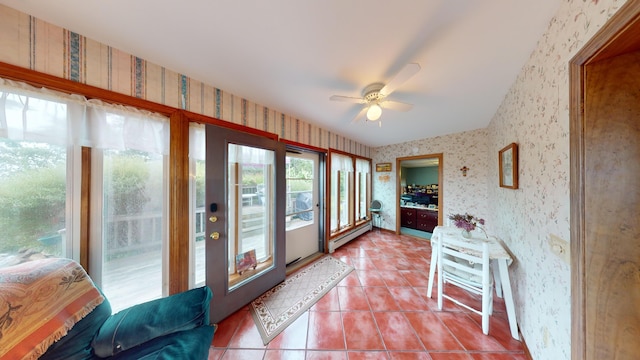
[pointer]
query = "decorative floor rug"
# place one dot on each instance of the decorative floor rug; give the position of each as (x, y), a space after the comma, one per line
(276, 309)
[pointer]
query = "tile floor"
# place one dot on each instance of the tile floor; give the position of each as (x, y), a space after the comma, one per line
(379, 311)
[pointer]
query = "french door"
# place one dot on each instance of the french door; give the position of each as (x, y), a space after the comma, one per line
(303, 205)
(245, 204)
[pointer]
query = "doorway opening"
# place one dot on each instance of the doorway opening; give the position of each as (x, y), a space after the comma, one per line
(419, 194)
(604, 115)
(304, 224)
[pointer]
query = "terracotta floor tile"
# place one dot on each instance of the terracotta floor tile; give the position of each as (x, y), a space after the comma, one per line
(352, 298)
(294, 336)
(243, 354)
(356, 252)
(492, 356)
(368, 355)
(404, 264)
(215, 354)
(325, 331)
(329, 302)
(408, 299)
(389, 263)
(360, 331)
(326, 355)
(362, 263)
(374, 252)
(350, 280)
(284, 355)
(433, 334)
(396, 331)
(227, 328)
(450, 356)
(393, 278)
(379, 311)
(380, 299)
(409, 355)
(416, 277)
(370, 278)
(468, 332)
(499, 329)
(247, 335)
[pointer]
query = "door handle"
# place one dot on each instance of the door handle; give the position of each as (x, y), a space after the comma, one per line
(215, 235)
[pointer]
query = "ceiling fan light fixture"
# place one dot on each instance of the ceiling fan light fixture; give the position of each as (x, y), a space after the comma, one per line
(374, 112)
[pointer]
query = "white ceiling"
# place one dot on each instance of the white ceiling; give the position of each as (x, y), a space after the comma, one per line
(292, 55)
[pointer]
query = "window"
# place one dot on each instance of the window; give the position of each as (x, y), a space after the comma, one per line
(33, 197)
(341, 185)
(363, 192)
(133, 235)
(300, 176)
(42, 137)
(197, 229)
(349, 191)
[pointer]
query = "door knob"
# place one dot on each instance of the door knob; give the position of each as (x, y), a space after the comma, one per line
(215, 235)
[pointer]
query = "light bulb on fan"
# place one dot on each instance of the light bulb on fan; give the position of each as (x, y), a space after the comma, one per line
(374, 112)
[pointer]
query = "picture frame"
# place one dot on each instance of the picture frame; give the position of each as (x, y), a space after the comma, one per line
(246, 261)
(383, 167)
(508, 166)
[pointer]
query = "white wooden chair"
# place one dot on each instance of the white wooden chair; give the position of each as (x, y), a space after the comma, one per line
(466, 265)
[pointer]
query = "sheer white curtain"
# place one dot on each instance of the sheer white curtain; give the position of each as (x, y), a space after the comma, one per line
(362, 179)
(197, 141)
(341, 163)
(129, 196)
(32, 114)
(362, 166)
(249, 155)
(341, 167)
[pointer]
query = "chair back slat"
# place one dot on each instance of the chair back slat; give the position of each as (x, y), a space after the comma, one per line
(465, 264)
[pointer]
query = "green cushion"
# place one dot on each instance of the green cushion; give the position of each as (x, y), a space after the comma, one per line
(184, 345)
(144, 322)
(76, 344)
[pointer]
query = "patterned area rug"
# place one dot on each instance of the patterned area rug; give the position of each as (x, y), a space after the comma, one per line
(279, 307)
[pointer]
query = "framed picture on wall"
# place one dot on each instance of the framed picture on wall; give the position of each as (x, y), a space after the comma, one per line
(508, 160)
(383, 167)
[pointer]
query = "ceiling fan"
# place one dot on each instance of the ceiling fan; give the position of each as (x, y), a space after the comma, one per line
(373, 96)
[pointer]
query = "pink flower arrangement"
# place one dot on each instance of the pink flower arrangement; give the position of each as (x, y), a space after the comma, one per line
(467, 222)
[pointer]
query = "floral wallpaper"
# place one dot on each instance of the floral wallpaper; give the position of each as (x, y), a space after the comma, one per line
(460, 193)
(534, 114)
(40, 46)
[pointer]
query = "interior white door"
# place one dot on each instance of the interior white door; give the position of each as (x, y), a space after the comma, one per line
(303, 206)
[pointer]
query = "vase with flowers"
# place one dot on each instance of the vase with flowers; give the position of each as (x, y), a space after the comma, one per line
(467, 223)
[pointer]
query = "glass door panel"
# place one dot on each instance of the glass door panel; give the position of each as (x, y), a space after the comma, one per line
(250, 231)
(302, 220)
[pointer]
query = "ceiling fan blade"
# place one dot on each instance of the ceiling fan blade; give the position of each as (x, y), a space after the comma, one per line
(405, 74)
(396, 105)
(348, 99)
(360, 115)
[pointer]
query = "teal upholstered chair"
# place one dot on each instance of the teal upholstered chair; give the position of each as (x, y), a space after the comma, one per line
(175, 327)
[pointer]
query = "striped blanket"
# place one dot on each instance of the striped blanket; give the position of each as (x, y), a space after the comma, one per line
(39, 302)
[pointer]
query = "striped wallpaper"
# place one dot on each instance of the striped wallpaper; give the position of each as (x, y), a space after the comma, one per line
(34, 44)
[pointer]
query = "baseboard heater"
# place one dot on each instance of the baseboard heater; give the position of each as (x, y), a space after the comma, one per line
(345, 238)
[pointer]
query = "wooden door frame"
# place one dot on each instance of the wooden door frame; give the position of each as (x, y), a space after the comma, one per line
(618, 36)
(399, 188)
